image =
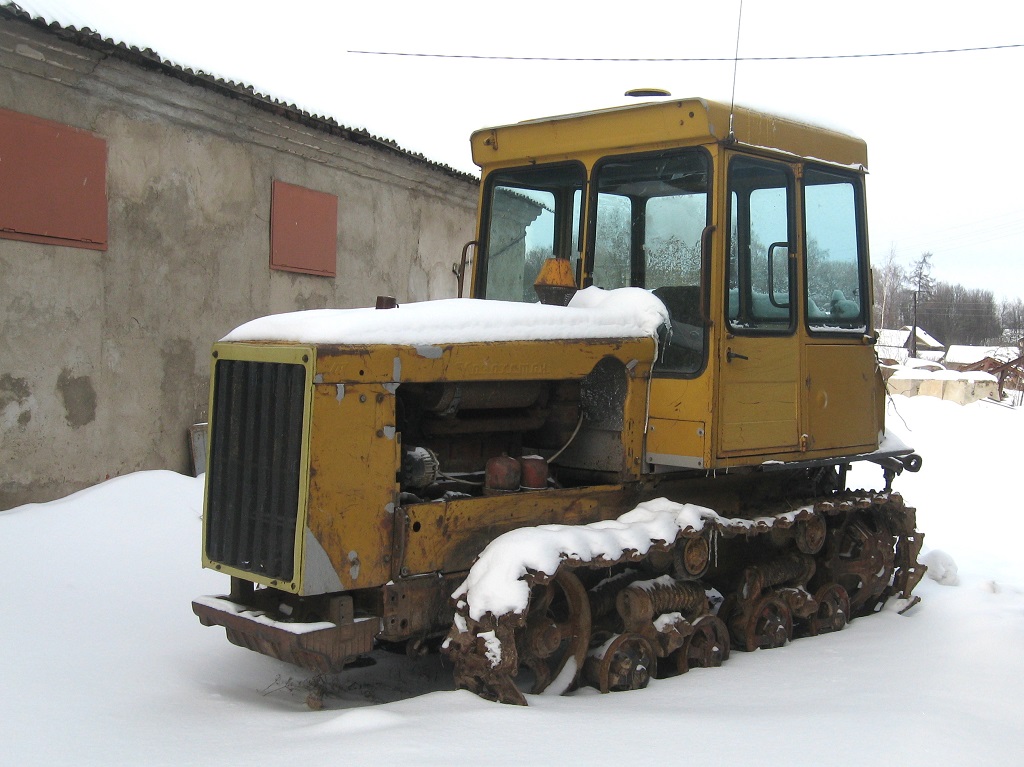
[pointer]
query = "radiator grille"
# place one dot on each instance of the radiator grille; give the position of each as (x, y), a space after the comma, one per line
(254, 471)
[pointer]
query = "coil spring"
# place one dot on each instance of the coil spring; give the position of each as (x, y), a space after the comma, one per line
(640, 602)
(794, 568)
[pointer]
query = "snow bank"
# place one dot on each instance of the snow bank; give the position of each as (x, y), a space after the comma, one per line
(966, 491)
(106, 665)
(592, 313)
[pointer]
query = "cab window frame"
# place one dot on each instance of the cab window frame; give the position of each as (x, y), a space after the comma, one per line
(637, 257)
(562, 230)
(743, 277)
(861, 324)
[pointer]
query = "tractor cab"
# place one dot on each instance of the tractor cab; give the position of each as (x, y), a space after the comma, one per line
(755, 240)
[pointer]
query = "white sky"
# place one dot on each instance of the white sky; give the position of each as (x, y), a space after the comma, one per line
(940, 128)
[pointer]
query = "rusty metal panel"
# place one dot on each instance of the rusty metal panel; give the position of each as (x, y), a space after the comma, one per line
(321, 647)
(53, 183)
(417, 607)
(303, 230)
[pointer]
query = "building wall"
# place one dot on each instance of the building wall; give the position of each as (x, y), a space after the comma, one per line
(104, 355)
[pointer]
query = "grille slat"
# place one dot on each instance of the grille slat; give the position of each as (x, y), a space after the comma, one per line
(254, 469)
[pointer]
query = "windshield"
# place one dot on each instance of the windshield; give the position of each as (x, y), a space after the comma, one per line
(532, 214)
(762, 248)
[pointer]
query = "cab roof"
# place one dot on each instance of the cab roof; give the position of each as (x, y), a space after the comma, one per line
(660, 125)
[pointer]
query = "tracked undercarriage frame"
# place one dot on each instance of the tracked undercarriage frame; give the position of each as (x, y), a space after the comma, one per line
(616, 620)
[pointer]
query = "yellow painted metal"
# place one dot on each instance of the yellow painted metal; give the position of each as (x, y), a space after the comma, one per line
(679, 409)
(755, 409)
(355, 449)
(757, 388)
(447, 537)
(758, 397)
(287, 354)
(793, 397)
(840, 396)
(648, 126)
(351, 448)
(676, 443)
(354, 454)
(634, 424)
(688, 399)
(491, 361)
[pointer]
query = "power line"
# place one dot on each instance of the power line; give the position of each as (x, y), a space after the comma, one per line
(685, 59)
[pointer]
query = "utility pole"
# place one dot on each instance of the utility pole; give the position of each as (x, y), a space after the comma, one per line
(913, 334)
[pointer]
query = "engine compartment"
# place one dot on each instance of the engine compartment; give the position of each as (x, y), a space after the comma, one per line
(462, 438)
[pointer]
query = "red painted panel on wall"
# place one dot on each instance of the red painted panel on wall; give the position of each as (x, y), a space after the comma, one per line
(303, 230)
(53, 183)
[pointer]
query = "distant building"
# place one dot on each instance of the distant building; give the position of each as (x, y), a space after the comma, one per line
(1005, 363)
(961, 357)
(894, 346)
(145, 211)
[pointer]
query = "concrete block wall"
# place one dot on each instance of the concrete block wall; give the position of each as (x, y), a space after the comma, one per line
(104, 355)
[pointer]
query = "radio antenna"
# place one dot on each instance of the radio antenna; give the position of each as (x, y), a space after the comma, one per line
(735, 63)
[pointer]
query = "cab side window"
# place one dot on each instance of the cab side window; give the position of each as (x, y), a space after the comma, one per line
(836, 267)
(761, 273)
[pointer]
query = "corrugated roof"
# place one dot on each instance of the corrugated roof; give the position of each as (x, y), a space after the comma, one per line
(151, 60)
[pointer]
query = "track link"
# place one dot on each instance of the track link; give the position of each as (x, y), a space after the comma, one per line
(668, 587)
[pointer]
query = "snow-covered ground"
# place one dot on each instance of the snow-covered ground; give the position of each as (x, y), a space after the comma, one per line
(103, 662)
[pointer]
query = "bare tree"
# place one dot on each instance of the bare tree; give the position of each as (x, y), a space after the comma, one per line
(922, 282)
(958, 315)
(921, 279)
(1012, 316)
(890, 282)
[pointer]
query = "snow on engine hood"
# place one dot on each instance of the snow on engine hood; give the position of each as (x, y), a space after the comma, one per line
(592, 313)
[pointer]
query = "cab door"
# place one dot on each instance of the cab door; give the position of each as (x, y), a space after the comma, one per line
(759, 350)
(841, 379)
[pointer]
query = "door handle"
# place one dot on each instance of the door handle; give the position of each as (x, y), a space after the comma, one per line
(730, 355)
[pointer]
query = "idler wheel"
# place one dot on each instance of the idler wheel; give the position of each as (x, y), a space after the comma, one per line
(861, 558)
(557, 632)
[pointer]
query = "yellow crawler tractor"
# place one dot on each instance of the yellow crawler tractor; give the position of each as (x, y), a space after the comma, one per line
(631, 477)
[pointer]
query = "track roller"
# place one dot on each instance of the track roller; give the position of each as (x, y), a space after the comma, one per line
(624, 662)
